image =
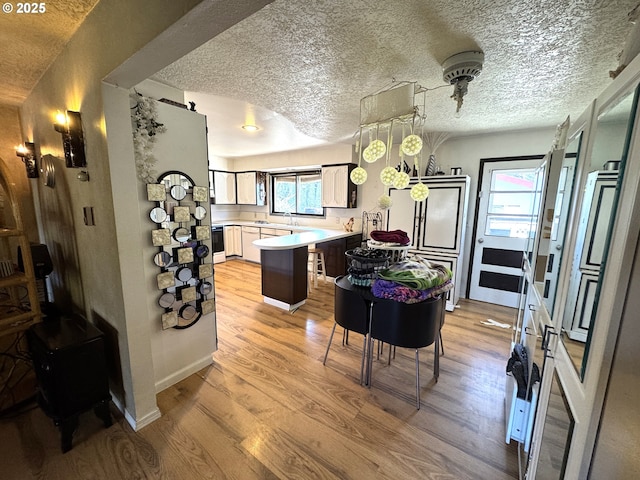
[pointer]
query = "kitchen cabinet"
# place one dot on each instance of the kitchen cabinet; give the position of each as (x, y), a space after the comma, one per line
(268, 232)
(436, 226)
(334, 253)
(338, 191)
(249, 251)
(224, 188)
(232, 240)
(246, 188)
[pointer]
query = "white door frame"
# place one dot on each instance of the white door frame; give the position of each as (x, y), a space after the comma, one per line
(529, 161)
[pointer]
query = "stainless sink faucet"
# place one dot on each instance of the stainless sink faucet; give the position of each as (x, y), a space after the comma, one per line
(288, 214)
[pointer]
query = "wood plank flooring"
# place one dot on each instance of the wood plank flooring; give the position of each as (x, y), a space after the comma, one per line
(267, 408)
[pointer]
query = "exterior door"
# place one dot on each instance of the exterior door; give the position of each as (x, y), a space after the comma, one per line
(508, 203)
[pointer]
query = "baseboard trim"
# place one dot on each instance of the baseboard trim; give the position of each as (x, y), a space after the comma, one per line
(183, 373)
(136, 424)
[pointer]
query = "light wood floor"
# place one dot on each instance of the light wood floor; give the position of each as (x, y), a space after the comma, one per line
(268, 409)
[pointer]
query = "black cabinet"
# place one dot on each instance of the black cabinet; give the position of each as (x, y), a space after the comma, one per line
(70, 365)
(334, 253)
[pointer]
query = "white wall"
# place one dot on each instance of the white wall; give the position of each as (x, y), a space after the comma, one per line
(176, 353)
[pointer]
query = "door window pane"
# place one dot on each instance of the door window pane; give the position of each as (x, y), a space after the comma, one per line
(513, 201)
(513, 226)
(523, 180)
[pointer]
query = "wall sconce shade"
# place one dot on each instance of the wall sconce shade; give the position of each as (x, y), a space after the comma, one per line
(70, 126)
(28, 154)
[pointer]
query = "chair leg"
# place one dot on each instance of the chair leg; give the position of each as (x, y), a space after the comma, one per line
(441, 345)
(364, 349)
(417, 379)
(333, 330)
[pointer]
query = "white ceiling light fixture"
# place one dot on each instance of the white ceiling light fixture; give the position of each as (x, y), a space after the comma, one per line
(250, 128)
(458, 70)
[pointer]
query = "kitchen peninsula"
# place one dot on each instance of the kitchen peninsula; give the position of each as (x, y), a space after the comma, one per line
(284, 263)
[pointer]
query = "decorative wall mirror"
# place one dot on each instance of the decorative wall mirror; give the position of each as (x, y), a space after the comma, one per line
(597, 215)
(184, 281)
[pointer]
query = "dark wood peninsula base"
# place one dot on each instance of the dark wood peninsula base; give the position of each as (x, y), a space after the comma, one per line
(284, 277)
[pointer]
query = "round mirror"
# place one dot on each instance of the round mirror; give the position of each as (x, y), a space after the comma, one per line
(205, 288)
(178, 192)
(202, 251)
(163, 259)
(184, 274)
(158, 214)
(182, 235)
(200, 212)
(166, 300)
(188, 312)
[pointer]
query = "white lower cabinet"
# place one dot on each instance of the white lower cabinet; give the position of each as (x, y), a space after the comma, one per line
(249, 251)
(233, 240)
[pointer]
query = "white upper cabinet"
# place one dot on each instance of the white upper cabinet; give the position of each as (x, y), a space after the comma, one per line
(224, 187)
(337, 189)
(246, 187)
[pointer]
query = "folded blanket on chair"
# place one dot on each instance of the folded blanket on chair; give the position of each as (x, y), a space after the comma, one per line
(400, 293)
(394, 236)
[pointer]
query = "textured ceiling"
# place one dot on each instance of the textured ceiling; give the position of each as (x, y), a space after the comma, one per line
(29, 42)
(310, 63)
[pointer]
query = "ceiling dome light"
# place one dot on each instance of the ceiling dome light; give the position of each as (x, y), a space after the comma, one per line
(250, 128)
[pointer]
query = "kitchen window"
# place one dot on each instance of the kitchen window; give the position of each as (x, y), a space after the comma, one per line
(298, 193)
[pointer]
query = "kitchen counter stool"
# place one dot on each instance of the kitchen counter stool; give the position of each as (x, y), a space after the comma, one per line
(317, 264)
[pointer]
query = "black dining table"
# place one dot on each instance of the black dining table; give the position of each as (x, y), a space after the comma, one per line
(406, 325)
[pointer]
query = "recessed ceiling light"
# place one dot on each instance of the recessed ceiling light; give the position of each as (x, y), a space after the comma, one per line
(250, 128)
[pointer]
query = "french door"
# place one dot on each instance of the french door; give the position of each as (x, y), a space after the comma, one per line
(505, 223)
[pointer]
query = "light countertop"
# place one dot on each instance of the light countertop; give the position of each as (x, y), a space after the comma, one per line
(300, 239)
(301, 235)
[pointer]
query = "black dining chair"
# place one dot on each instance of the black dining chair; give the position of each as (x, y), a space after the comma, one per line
(351, 312)
(405, 325)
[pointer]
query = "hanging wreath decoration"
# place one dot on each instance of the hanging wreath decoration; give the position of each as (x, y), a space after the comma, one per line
(145, 128)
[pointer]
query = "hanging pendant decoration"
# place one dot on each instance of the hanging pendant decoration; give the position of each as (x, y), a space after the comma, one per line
(378, 149)
(419, 192)
(411, 145)
(358, 175)
(384, 201)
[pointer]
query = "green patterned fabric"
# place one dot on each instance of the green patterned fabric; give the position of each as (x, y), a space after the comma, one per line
(416, 272)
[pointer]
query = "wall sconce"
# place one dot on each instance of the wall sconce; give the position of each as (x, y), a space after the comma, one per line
(69, 124)
(28, 154)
